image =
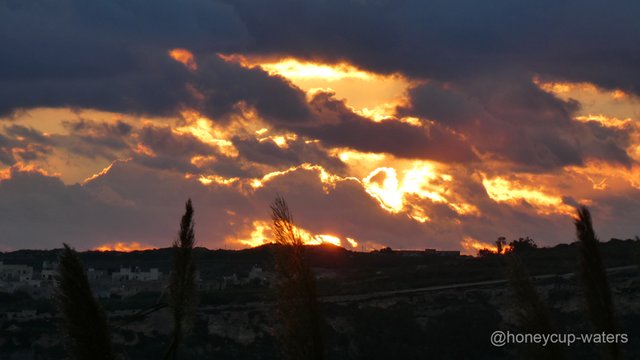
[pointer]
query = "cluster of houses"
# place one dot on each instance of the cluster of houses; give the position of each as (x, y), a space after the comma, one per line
(125, 281)
(23, 277)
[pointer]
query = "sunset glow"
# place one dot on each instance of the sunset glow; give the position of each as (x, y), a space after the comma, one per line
(295, 69)
(379, 133)
(261, 233)
(421, 180)
(471, 246)
(605, 120)
(125, 247)
(394, 175)
(201, 127)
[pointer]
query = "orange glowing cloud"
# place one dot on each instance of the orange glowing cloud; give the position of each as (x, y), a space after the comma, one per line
(282, 141)
(20, 166)
(185, 57)
(606, 121)
(70, 165)
(421, 180)
(245, 121)
(327, 178)
(99, 174)
(471, 246)
(203, 129)
(216, 179)
(363, 161)
(614, 104)
(371, 95)
(565, 87)
(125, 247)
(513, 192)
(607, 176)
(395, 193)
(354, 244)
(259, 234)
(292, 68)
(579, 87)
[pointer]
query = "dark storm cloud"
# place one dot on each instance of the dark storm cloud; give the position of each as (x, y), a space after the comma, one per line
(24, 143)
(477, 60)
(221, 85)
(297, 152)
(42, 212)
(513, 119)
(266, 152)
(30, 134)
(167, 149)
(86, 138)
(114, 56)
(171, 150)
(253, 159)
(6, 156)
(335, 125)
(161, 86)
(616, 215)
(75, 39)
(130, 203)
(123, 204)
(480, 58)
(95, 139)
(120, 128)
(347, 210)
(164, 141)
(455, 40)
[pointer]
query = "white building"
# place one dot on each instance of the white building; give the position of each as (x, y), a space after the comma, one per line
(128, 274)
(22, 273)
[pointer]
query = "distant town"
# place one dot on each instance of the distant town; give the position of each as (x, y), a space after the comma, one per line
(128, 280)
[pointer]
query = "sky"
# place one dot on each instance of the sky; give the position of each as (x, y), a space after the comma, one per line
(404, 123)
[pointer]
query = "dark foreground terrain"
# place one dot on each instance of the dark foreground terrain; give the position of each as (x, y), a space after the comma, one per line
(379, 305)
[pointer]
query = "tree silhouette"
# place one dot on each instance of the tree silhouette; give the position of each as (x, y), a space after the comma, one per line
(522, 245)
(302, 334)
(84, 321)
(500, 243)
(594, 280)
(532, 312)
(182, 287)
